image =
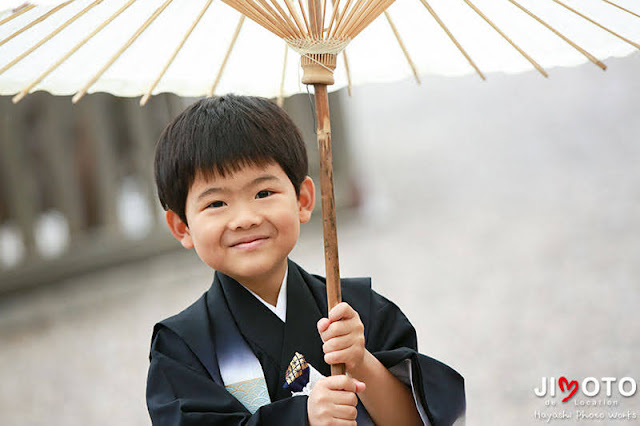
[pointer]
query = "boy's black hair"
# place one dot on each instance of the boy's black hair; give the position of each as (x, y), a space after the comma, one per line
(220, 135)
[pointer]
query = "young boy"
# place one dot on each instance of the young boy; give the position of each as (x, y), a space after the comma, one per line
(255, 349)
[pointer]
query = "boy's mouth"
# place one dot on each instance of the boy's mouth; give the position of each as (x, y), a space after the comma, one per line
(249, 242)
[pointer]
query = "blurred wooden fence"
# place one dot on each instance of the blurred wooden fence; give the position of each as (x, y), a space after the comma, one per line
(62, 169)
(76, 182)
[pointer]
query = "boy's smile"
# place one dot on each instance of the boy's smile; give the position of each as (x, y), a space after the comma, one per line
(245, 224)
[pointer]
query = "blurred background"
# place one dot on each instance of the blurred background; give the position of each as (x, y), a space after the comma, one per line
(503, 217)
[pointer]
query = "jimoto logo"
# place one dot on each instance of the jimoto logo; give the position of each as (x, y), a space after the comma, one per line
(589, 386)
(594, 399)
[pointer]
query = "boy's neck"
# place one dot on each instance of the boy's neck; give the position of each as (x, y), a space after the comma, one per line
(266, 286)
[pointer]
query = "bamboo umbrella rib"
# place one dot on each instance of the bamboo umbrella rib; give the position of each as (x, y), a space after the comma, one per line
(311, 11)
(304, 16)
(324, 12)
(277, 21)
(341, 16)
(346, 68)
(636, 45)
(253, 11)
(66, 56)
(621, 8)
(241, 6)
(355, 8)
(312, 7)
(574, 45)
(372, 12)
(515, 46)
(115, 57)
(290, 22)
(147, 95)
(340, 31)
(36, 21)
(270, 11)
(353, 15)
(18, 11)
(296, 18)
(49, 37)
(320, 11)
(281, 22)
(292, 25)
(402, 46)
(362, 15)
(453, 39)
(369, 11)
(226, 56)
(335, 5)
(379, 9)
(363, 22)
(338, 17)
(249, 10)
(284, 73)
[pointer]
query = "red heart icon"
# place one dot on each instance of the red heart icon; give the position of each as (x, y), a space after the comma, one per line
(562, 382)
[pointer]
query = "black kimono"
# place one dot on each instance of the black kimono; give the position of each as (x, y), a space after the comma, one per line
(184, 384)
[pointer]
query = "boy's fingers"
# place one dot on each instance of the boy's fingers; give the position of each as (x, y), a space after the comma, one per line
(342, 328)
(341, 311)
(344, 412)
(338, 357)
(338, 343)
(346, 398)
(341, 382)
(342, 422)
(323, 324)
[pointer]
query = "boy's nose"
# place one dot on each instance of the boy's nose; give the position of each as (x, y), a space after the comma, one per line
(245, 218)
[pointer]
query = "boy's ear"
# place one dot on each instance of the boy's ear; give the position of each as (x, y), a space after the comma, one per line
(306, 200)
(178, 229)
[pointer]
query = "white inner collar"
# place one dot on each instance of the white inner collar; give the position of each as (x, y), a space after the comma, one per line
(281, 303)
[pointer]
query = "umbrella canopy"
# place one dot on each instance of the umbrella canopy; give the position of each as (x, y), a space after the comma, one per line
(129, 43)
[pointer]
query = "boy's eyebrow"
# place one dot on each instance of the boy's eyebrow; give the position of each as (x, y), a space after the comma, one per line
(214, 189)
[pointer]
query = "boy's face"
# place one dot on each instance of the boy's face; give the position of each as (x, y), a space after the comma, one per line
(245, 224)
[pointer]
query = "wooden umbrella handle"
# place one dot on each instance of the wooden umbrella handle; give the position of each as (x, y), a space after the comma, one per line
(320, 75)
(334, 295)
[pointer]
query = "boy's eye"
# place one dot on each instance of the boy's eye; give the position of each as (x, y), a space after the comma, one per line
(216, 204)
(263, 194)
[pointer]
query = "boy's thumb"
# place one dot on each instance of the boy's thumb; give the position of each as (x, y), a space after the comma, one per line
(360, 386)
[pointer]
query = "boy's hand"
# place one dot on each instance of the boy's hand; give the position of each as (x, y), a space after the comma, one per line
(333, 401)
(343, 337)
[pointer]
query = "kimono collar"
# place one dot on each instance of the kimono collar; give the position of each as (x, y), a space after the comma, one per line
(262, 328)
(257, 323)
(281, 302)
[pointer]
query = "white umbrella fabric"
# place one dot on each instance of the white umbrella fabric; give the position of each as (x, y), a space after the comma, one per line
(255, 64)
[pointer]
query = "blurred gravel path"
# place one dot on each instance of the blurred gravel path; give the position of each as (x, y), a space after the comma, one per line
(503, 217)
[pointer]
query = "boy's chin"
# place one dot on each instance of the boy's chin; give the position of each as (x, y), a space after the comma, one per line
(252, 271)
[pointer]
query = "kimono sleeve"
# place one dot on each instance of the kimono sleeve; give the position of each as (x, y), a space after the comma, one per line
(181, 392)
(437, 388)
